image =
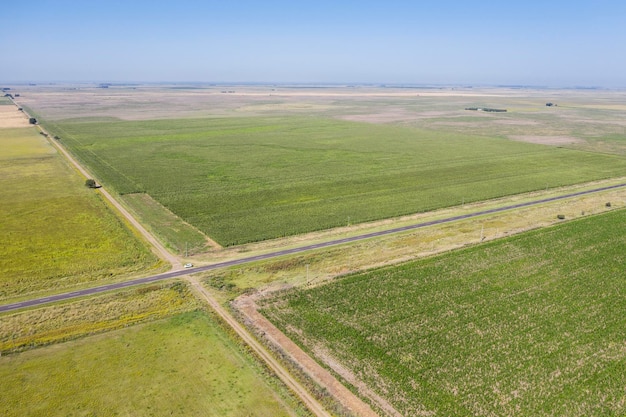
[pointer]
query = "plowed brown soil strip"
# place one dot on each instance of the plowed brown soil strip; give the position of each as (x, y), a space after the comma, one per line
(345, 397)
(313, 405)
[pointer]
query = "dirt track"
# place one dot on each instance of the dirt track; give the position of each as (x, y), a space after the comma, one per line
(345, 397)
(310, 401)
(159, 249)
(258, 349)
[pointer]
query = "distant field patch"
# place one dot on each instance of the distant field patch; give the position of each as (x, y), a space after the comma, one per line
(56, 233)
(182, 366)
(240, 180)
(532, 325)
(548, 140)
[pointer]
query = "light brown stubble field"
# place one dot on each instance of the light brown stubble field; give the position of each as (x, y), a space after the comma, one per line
(11, 117)
(580, 118)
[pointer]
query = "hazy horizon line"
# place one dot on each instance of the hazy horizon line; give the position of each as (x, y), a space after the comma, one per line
(99, 83)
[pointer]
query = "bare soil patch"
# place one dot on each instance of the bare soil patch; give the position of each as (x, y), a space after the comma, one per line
(547, 140)
(11, 117)
(517, 122)
(389, 116)
(248, 307)
(394, 115)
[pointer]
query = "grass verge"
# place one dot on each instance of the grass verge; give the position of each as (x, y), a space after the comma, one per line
(179, 236)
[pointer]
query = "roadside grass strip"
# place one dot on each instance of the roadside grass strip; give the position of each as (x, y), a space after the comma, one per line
(70, 320)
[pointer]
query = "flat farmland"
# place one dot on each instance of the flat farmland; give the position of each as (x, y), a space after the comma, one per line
(56, 233)
(56, 323)
(245, 179)
(183, 365)
(527, 325)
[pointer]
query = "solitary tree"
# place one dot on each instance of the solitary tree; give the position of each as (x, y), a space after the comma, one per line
(90, 183)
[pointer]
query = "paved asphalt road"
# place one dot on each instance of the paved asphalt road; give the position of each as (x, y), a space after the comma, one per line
(167, 275)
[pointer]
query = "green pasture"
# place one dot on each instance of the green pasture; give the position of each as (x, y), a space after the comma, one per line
(56, 233)
(249, 179)
(185, 365)
(532, 325)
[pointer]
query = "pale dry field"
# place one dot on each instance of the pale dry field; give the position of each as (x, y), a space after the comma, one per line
(155, 100)
(581, 119)
(11, 117)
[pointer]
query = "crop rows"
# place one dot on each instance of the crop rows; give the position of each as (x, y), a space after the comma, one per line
(249, 179)
(530, 325)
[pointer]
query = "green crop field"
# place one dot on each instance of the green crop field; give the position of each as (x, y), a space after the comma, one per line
(185, 365)
(56, 233)
(240, 180)
(179, 236)
(531, 325)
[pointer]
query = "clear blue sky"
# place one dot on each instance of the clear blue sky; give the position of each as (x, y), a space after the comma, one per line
(548, 42)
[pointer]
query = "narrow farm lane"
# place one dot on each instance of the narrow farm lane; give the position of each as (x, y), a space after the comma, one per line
(156, 245)
(247, 306)
(310, 401)
(177, 269)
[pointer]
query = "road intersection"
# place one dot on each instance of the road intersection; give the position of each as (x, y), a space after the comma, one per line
(245, 260)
